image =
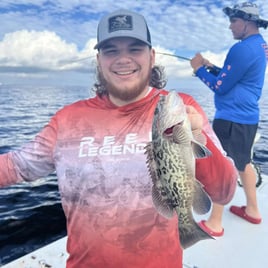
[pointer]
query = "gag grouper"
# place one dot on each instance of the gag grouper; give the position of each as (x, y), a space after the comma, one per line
(171, 162)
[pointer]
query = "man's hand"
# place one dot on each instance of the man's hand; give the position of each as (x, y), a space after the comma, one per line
(196, 121)
(198, 61)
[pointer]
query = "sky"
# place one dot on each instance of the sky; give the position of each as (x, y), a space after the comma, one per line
(51, 42)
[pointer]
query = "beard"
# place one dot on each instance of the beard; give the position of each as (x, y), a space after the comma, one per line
(124, 93)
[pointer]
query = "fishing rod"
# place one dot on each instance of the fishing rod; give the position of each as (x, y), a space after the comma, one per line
(162, 53)
(211, 69)
(174, 55)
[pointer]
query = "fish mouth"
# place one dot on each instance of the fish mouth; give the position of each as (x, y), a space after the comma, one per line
(169, 131)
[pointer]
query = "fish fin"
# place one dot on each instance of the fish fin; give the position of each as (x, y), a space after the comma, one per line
(191, 233)
(151, 165)
(180, 136)
(161, 203)
(199, 150)
(201, 202)
(199, 136)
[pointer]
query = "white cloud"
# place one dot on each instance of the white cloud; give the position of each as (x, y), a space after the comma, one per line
(35, 49)
(60, 35)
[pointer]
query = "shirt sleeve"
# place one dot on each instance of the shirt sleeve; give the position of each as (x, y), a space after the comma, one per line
(236, 63)
(32, 161)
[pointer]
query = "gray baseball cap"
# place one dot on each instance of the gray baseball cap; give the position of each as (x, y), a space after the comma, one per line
(123, 23)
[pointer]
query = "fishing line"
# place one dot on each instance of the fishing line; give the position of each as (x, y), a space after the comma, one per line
(162, 53)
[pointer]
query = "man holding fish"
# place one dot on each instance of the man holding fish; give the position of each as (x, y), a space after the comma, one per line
(131, 162)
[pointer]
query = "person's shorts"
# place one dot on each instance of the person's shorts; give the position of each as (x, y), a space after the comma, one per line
(237, 140)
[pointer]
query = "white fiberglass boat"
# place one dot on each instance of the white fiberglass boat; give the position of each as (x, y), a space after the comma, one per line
(243, 244)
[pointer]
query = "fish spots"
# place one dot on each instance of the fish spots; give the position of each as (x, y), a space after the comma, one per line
(171, 164)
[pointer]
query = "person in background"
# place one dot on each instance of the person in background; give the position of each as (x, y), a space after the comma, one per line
(237, 88)
(97, 146)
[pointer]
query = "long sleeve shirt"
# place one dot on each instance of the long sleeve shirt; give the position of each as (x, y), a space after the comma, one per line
(97, 150)
(238, 86)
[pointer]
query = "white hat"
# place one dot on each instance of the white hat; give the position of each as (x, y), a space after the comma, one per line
(246, 11)
(123, 23)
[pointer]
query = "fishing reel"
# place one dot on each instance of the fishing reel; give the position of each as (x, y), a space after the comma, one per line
(213, 70)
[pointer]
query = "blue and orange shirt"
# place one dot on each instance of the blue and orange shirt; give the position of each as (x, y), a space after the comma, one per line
(238, 87)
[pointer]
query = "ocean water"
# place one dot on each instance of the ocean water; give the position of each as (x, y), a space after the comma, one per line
(30, 214)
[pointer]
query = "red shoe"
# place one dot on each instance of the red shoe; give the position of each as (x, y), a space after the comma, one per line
(241, 212)
(203, 226)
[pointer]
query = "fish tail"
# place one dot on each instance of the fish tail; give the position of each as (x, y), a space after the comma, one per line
(192, 235)
(201, 202)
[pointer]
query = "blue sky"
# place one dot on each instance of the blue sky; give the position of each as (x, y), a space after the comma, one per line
(51, 42)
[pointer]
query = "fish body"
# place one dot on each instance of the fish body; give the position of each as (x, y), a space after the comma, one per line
(171, 162)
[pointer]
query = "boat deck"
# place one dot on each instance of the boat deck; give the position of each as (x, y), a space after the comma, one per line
(243, 244)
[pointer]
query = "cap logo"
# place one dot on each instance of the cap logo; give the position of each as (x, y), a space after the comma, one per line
(122, 22)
